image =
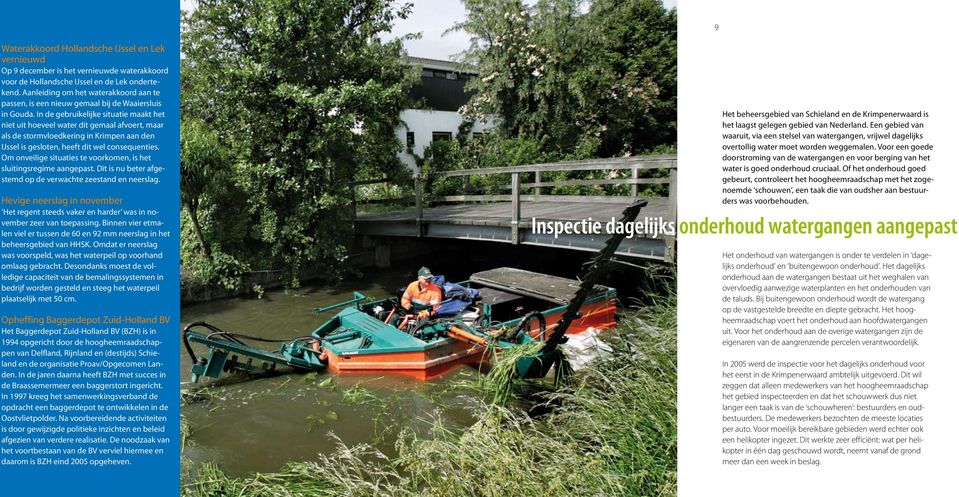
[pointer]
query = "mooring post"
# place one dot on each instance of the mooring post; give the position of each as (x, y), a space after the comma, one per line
(514, 222)
(353, 200)
(381, 254)
(418, 186)
(670, 240)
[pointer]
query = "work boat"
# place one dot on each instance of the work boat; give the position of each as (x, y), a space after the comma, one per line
(491, 306)
(500, 307)
(495, 309)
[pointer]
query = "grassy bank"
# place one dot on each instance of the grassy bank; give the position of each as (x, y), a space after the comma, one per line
(613, 434)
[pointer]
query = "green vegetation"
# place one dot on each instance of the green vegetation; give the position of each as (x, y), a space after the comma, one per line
(610, 431)
(567, 82)
(499, 383)
(315, 421)
(207, 192)
(304, 97)
(203, 160)
(579, 79)
(286, 103)
(186, 434)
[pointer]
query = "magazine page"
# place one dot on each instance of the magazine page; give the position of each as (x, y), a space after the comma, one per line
(476, 248)
(817, 270)
(89, 232)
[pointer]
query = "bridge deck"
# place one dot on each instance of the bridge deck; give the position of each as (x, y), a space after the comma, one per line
(498, 213)
(491, 222)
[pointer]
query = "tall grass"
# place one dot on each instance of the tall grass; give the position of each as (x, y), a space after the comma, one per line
(625, 408)
(349, 472)
(611, 432)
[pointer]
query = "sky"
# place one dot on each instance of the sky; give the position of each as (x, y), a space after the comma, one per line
(431, 18)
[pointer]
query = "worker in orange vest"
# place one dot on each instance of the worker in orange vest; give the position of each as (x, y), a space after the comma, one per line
(422, 296)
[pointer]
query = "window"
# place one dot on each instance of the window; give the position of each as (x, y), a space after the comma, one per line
(410, 139)
(427, 73)
(442, 135)
(451, 75)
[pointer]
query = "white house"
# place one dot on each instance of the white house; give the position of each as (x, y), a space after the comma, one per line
(441, 92)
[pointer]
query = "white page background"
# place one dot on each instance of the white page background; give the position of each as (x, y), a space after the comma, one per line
(814, 55)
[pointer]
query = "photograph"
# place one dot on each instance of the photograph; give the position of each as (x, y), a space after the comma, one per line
(428, 248)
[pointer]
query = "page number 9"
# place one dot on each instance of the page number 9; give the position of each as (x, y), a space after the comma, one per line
(716, 27)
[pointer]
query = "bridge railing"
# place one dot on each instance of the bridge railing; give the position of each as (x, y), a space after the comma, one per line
(629, 171)
(634, 165)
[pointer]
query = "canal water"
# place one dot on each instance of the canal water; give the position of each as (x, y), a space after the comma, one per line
(261, 424)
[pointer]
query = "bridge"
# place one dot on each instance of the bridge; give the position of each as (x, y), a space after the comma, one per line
(481, 211)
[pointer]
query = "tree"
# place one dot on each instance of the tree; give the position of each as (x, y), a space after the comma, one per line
(202, 159)
(595, 83)
(308, 96)
(640, 44)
